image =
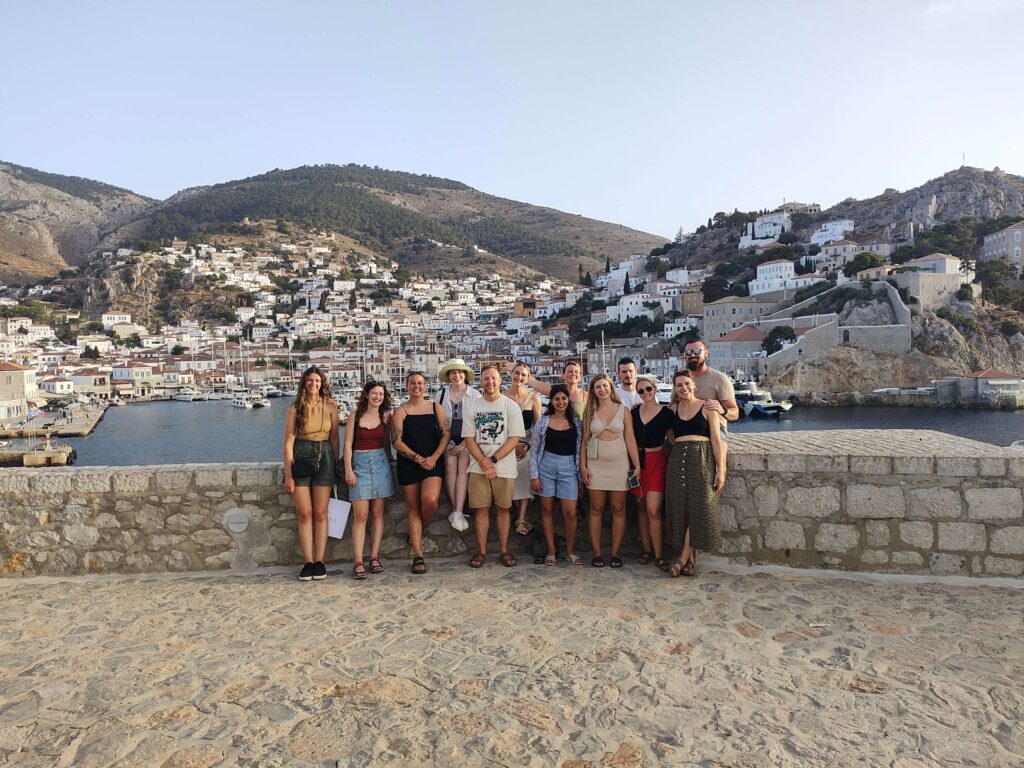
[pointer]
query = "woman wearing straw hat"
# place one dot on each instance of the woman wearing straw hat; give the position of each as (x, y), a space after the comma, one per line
(455, 375)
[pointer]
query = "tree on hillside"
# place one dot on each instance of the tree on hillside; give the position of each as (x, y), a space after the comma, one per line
(607, 264)
(626, 289)
(587, 280)
(772, 343)
(714, 288)
(177, 349)
(679, 236)
(91, 353)
(993, 276)
(863, 260)
(376, 328)
(788, 238)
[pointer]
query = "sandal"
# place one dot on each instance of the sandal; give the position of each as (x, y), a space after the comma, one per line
(523, 528)
(508, 559)
(549, 560)
(419, 565)
(676, 568)
(597, 561)
(375, 566)
(616, 561)
(574, 559)
(662, 564)
(645, 558)
(478, 560)
(359, 571)
(688, 569)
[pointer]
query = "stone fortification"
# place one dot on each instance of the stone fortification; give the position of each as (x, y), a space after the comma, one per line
(873, 500)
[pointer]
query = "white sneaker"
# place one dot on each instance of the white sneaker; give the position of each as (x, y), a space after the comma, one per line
(458, 521)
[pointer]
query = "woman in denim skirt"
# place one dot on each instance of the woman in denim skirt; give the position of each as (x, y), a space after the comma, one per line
(554, 470)
(368, 471)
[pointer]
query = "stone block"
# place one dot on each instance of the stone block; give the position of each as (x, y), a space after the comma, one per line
(828, 463)
(81, 535)
(13, 482)
(907, 558)
(874, 466)
(766, 501)
(63, 561)
(251, 495)
(211, 537)
(746, 462)
(176, 560)
(37, 540)
(127, 539)
(285, 500)
(875, 557)
(1015, 467)
(832, 537)
(780, 462)
(131, 481)
(102, 561)
(220, 561)
(913, 465)
(51, 483)
(991, 467)
(875, 501)
(935, 504)
(941, 564)
(149, 518)
(172, 480)
(1007, 541)
(728, 513)
(877, 533)
(962, 537)
(215, 478)
(783, 535)
(107, 520)
(1003, 566)
(265, 555)
(737, 545)
(994, 504)
(816, 502)
(917, 534)
(252, 478)
(735, 488)
(956, 466)
(92, 481)
(181, 523)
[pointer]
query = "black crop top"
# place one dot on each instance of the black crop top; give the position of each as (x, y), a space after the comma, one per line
(651, 434)
(697, 425)
(528, 419)
(561, 442)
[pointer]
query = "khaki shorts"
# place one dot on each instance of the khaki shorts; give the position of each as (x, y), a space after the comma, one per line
(482, 492)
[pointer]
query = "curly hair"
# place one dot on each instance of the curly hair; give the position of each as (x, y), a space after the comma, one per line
(364, 400)
(304, 403)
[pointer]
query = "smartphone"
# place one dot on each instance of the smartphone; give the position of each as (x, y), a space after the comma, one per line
(632, 479)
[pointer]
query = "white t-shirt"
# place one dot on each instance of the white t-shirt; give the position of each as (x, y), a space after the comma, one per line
(629, 399)
(491, 423)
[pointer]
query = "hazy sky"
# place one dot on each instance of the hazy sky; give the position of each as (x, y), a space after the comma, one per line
(650, 114)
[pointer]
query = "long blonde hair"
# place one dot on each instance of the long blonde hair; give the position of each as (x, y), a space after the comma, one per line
(592, 401)
(304, 404)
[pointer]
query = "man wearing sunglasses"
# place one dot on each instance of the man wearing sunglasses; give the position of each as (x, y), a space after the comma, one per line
(713, 387)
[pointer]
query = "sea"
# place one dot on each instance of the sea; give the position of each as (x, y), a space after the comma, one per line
(171, 432)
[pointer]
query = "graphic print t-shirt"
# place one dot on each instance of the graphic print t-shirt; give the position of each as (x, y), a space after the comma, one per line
(491, 424)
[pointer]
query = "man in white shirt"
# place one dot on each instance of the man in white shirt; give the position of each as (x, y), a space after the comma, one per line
(492, 426)
(626, 389)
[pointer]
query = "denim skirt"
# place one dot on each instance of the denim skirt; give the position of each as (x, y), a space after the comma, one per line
(373, 476)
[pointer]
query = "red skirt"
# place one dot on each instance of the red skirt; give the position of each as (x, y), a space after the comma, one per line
(652, 476)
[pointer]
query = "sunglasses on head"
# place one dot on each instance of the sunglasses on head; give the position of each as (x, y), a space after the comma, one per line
(692, 352)
(641, 390)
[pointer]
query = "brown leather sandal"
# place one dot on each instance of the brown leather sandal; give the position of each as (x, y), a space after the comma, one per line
(478, 560)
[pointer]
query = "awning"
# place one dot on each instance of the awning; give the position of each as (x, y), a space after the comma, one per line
(38, 402)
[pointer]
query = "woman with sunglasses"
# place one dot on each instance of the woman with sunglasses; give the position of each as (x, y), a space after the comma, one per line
(695, 477)
(554, 470)
(310, 454)
(651, 423)
(419, 433)
(605, 458)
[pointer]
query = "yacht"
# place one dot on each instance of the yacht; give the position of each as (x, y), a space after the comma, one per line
(246, 399)
(187, 395)
(1017, 445)
(757, 404)
(663, 392)
(269, 390)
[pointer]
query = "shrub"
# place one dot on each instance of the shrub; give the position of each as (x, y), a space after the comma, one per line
(965, 292)
(1009, 328)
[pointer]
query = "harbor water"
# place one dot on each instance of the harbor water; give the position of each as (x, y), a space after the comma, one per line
(169, 432)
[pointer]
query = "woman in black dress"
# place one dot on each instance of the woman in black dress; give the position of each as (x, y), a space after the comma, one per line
(420, 434)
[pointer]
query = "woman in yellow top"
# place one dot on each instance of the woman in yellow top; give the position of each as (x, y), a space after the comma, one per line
(310, 453)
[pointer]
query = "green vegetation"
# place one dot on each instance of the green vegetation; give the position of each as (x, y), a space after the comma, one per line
(965, 292)
(635, 326)
(835, 300)
(87, 189)
(863, 260)
(772, 343)
(813, 290)
(960, 320)
(1009, 328)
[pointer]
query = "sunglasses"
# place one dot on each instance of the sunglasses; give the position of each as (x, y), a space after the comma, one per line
(692, 353)
(642, 390)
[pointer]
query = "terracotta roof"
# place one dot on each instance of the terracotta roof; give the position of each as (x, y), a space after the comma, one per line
(5, 366)
(743, 333)
(990, 373)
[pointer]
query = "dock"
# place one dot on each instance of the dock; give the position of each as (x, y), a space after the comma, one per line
(79, 422)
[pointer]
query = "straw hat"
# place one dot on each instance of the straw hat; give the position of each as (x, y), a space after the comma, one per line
(455, 364)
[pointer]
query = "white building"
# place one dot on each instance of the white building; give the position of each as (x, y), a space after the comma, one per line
(110, 319)
(1005, 244)
(678, 275)
(765, 228)
(832, 230)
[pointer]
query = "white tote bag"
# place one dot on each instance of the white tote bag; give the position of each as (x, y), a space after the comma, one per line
(337, 517)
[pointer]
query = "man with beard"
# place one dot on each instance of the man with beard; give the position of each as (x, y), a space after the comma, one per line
(627, 383)
(713, 387)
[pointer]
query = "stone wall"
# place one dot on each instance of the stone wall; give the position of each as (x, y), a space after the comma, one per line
(877, 500)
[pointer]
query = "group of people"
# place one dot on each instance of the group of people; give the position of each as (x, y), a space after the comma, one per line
(490, 448)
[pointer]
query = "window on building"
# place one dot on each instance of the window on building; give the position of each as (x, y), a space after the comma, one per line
(1016, 236)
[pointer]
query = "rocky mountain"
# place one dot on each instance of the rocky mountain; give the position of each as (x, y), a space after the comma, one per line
(49, 222)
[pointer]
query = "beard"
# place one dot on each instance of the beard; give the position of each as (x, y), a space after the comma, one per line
(694, 364)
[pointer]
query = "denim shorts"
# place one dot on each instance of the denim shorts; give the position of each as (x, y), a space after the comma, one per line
(307, 449)
(559, 476)
(373, 476)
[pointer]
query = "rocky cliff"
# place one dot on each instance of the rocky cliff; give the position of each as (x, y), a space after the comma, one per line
(48, 221)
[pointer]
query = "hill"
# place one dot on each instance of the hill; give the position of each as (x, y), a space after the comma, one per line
(49, 222)
(389, 211)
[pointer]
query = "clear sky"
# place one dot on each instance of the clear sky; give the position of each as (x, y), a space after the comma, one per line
(650, 114)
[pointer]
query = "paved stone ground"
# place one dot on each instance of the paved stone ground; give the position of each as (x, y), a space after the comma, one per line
(526, 666)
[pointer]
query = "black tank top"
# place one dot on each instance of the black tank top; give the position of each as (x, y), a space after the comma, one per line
(561, 442)
(528, 419)
(697, 425)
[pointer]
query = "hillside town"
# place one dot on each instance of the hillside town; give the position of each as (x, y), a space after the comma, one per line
(357, 315)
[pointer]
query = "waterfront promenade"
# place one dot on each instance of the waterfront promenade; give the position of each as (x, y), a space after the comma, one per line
(525, 666)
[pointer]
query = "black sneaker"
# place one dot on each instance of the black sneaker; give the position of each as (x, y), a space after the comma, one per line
(306, 574)
(319, 570)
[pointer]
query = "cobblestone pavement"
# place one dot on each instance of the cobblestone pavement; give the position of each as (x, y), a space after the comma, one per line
(522, 666)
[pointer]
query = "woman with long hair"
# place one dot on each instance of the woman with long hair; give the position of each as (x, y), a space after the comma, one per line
(609, 449)
(529, 402)
(310, 455)
(572, 377)
(695, 477)
(651, 423)
(368, 471)
(455, 395)
(419, 433)
(554, 470)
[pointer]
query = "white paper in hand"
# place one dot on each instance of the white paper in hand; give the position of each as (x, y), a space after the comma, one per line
(337, 517)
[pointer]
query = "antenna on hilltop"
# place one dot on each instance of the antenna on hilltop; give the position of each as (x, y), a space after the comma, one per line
(963, 159)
